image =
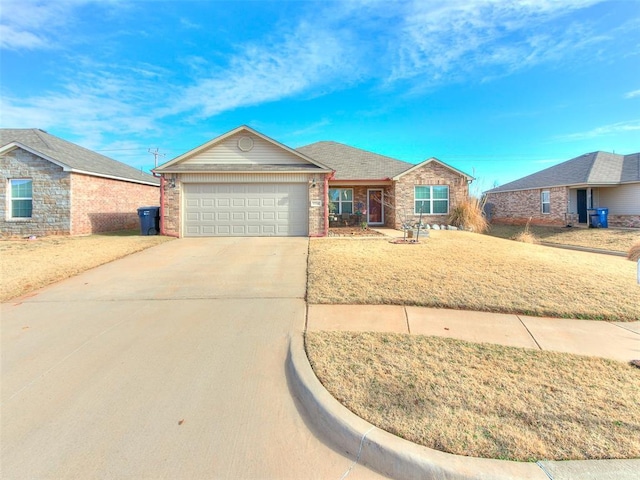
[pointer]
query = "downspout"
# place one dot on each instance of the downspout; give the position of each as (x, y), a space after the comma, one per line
(162, 231)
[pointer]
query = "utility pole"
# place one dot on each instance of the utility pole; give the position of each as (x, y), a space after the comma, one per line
(156, 154)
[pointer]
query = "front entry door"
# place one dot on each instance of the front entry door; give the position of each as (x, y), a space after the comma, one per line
(375, 212)
(582, 206)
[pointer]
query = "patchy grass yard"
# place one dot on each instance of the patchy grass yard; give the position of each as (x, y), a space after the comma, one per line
(483, 400)
(601, 238)
(30, 264)
(463, 270)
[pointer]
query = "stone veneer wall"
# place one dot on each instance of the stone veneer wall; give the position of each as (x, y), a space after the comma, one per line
(316, 213)
(51, 199)
(518, 207)
(103, 204)
(431, 174)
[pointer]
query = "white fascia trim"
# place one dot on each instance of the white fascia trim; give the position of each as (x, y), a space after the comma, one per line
(210, 143)
(13, 145)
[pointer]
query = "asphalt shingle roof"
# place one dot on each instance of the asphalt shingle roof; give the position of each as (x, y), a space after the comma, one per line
(74, 156)
(594, 168)
(352, 163)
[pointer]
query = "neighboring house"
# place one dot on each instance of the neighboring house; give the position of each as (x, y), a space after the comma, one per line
(244, 183)
(563, 194)
(49, 186)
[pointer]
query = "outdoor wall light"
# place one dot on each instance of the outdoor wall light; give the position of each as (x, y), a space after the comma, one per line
(313, 182)
(171, 183)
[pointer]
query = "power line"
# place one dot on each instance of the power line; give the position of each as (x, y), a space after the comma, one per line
(156, 154)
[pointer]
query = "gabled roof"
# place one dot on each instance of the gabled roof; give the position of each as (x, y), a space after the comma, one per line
(69, 156)
(352, 163)
(434, 160)
(174, 165)
(596, 168)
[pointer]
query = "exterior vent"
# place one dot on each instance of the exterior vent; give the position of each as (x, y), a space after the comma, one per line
(245, 144)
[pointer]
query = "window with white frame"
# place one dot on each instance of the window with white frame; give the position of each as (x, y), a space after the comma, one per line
(342, 200)
(431, 199)
(545, 201)
(21, 192)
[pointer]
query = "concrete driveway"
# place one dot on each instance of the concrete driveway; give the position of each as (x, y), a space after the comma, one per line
(169, 363)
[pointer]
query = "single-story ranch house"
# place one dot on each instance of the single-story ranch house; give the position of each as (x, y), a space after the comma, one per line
(244, 183)
(563, 194)
(49, 186)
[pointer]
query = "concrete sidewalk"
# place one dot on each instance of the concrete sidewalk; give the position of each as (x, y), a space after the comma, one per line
(615, 340)
(401, 459)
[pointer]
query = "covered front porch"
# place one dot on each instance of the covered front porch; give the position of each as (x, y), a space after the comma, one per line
(360, 205)
(621, 201)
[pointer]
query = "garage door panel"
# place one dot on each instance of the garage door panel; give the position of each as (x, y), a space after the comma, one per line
(241, 210)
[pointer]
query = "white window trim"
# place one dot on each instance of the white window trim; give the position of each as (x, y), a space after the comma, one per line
(543, 203)
(11, 199)
(340, 201)
(431, 199)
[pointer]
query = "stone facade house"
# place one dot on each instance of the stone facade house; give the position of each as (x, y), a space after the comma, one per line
(565, 193)
(244, 183)
(49, 186)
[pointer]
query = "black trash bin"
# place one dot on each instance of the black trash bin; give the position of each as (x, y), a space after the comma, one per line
(603, 216)
(149, 220)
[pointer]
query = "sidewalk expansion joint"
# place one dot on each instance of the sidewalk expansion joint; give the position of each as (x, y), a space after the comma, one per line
(406, 317)
(529, 331)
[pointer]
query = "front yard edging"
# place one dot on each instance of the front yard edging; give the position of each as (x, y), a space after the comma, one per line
(380, 450)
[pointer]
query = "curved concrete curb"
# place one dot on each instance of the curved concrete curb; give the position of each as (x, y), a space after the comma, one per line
(382, 451)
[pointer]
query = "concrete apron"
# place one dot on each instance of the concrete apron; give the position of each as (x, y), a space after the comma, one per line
(169, 363)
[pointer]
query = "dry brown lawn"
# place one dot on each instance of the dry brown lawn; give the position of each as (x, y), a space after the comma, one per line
(600, 238)
(26, 265)
(483, 400)
(462, 270)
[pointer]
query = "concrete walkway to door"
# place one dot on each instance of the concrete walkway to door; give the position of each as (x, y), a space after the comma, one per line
(169, 363)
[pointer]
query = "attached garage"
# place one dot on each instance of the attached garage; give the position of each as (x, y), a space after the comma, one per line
(259, 209)
(243, 184)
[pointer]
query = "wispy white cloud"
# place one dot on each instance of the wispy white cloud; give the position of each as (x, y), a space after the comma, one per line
(604, 130)
(443, 41)
(632, 94)
(95, 101)
(293, 64)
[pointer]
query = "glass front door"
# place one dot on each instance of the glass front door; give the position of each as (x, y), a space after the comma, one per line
(375, 211)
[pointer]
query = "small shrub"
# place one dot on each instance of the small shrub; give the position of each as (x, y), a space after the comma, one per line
(634, 252)
(526, 236)
(468, 214)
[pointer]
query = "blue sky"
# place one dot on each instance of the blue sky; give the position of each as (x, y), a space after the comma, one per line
(495, 88)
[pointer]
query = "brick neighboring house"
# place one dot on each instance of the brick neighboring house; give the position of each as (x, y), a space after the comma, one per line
(244, 183)
(49, 186)
(563, 194)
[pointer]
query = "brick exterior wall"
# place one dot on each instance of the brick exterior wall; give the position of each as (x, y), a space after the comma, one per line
(516, 208)
(431, 174)
(67, 203)
(625, 221)
(104, 205)
(51, 199)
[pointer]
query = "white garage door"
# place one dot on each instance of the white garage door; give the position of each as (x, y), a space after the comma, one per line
(259, 209)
